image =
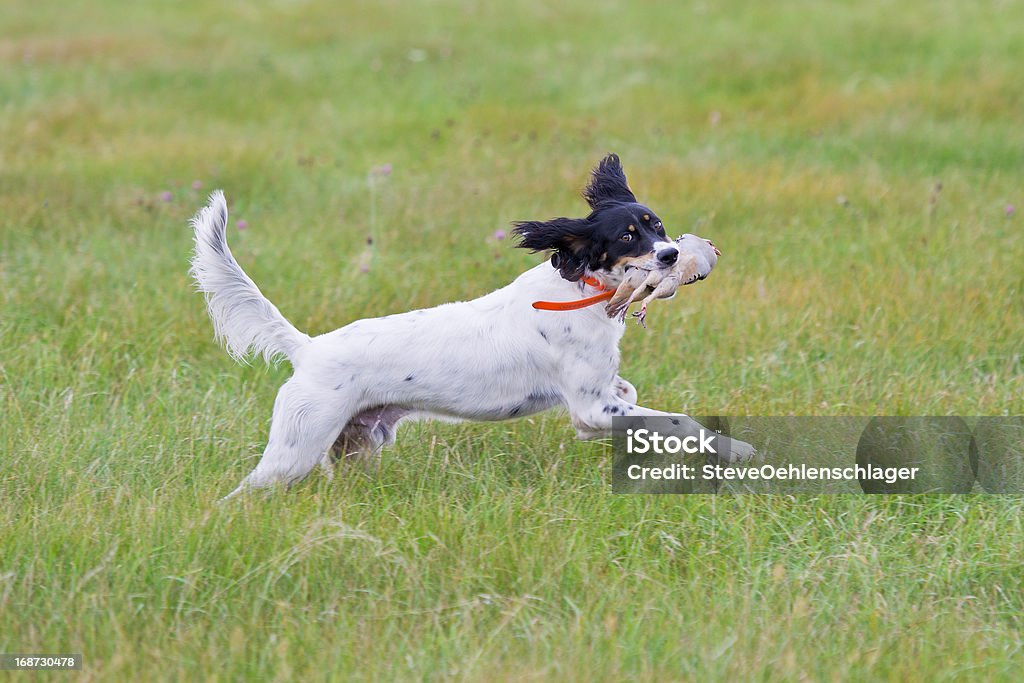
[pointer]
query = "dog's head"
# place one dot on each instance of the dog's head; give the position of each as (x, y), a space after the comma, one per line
(619, 232)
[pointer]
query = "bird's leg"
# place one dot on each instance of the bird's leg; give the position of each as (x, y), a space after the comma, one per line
(641, 315)
(633, 286)
(666, 288)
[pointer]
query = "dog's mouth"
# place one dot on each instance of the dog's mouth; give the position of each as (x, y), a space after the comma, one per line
(649, 262)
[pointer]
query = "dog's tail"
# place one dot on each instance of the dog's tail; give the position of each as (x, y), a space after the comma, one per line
(243, 319)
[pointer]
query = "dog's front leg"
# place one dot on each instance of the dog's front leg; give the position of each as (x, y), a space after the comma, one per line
(593, 419)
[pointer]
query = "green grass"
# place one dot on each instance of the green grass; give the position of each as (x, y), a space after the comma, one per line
(806, 140)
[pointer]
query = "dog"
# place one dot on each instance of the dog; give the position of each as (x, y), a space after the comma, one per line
(493, 358)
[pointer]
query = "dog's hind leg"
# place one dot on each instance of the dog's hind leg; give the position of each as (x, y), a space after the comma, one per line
(354, 445)
(306, 421)
(364, 436)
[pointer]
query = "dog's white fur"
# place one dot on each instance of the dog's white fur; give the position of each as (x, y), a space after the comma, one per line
(491, 358)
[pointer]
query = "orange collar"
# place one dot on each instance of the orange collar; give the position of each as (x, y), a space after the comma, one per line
(582, 303)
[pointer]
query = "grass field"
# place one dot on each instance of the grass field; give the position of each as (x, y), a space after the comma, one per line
(858, 164)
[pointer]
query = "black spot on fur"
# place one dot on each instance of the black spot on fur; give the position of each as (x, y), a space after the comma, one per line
(611, 410)
(544, 335)
(409, 378)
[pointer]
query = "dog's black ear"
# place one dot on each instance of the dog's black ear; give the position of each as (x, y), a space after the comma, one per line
(608, 183)
(557, 233)
(569, 238)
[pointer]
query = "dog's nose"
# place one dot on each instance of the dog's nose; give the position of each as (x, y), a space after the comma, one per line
(668, 256)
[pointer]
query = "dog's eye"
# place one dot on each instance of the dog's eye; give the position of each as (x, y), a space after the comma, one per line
(660, 228)
(627, 237)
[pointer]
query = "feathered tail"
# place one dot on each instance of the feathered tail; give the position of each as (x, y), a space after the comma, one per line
(243, 319)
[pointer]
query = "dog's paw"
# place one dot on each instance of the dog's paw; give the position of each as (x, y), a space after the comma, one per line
(625, 391)
(739, 452)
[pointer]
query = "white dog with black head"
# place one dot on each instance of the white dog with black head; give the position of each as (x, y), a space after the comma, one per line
(493, 358)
